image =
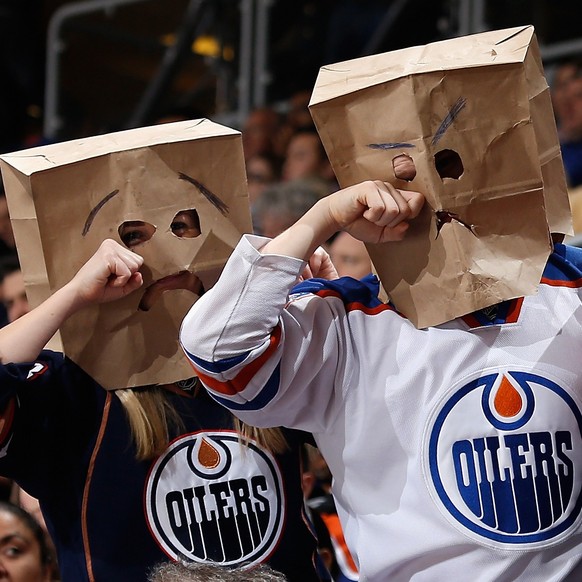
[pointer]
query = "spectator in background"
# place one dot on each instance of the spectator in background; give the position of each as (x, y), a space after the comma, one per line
(15, 304)
(297, 118)
(13, 301)
(305, 157)
(260, 132)
(10, 267)
(7, 244)
(262, 171)
(31, 505)
(13, 291)
(8, 257)
(283, 203)
(349, 256)
(316, 480)
(567, 103)
(24, 553)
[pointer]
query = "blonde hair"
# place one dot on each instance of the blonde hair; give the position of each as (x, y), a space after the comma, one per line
(271, 439)
(151, 415)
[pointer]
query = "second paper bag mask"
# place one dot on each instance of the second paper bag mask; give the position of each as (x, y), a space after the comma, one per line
(474, 115)
(173, 193)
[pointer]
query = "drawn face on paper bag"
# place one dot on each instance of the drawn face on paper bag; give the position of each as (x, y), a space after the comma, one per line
(481, 174)
(183, 219)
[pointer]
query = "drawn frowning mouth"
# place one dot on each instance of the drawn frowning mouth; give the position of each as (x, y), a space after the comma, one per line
(182, 280)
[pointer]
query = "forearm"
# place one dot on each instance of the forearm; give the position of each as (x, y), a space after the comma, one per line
(23, 339)
(301, 240)
(112, 272)
(371, 211)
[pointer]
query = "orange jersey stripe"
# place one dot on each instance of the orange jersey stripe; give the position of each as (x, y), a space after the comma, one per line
(240, 382)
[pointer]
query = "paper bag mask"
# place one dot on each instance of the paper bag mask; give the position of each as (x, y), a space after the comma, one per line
(174, 193)
(475, 116)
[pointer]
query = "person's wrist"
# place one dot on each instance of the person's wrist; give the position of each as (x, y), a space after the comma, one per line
(72, 298)
(328, 226)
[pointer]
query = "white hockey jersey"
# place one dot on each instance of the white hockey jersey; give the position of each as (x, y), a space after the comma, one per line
(456, 451)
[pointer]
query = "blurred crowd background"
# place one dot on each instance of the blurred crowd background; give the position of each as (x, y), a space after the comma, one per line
(72, 69)
(75, 68)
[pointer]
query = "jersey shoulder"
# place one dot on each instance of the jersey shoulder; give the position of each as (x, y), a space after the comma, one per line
(564, 267)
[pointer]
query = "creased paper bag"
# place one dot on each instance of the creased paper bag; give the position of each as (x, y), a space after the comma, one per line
(142, 188)
(475, 116)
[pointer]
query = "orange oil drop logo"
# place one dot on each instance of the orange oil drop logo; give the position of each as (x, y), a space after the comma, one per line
(208, 456)
(508, 401)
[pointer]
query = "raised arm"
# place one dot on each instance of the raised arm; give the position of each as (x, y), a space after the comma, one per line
(112, 272)
(372, 211)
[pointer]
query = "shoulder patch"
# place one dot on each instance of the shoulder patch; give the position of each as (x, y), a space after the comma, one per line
(36, 370)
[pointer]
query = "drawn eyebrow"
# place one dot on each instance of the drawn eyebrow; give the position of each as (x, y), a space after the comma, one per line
(96, 209)
(448, 120)
(390, 146)
(212, 198)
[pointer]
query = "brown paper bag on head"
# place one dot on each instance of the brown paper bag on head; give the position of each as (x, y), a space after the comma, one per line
(174, 193)
(475, 116)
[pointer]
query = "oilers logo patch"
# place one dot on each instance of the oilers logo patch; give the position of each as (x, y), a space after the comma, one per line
(207, 499)
(502, 457)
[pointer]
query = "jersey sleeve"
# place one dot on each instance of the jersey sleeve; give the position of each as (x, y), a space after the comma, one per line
(274, 360)
(47, 413)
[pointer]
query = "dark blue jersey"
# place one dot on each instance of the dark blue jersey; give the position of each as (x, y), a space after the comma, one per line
(67, 441)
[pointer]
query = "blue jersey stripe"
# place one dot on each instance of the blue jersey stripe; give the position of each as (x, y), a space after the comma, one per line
(564, 264)
(364, 291)
(267, 393)
(216, 367)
